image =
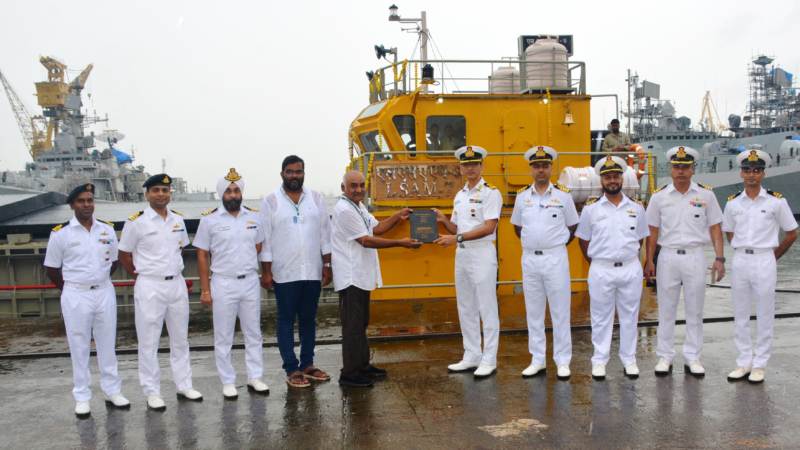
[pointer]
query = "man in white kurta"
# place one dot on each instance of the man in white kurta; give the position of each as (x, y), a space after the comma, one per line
(752, 221)
(545, 219)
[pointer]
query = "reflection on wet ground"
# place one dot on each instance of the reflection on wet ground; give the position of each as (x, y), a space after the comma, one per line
(421, 405)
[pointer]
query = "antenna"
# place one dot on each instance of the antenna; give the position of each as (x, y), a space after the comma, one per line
(163, 166)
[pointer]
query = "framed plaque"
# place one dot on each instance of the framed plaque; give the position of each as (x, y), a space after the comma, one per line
(423, 226)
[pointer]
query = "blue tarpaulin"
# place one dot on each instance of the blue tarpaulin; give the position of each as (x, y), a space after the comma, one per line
(122, 157)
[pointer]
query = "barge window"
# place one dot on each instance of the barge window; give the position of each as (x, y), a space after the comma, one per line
(369, 141)
(407, 129)
(447, 133)
(373, 109)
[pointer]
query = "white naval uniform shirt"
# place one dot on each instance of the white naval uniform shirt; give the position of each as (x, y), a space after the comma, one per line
(755, 223)
(472, 208)
(155, 243)
(684, 219)
(613, 232)
(84, 256)
(296, 236)
(353, 265)
(544, 218)
(231, 240)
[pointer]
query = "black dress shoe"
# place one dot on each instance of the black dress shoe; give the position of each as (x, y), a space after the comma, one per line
(373, 371)
(358, 381)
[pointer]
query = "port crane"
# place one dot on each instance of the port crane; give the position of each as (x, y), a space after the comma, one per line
(30, 126)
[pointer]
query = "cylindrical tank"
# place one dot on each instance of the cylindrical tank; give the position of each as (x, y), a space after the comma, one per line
(505, 80)
(540, 75)
(584, 183)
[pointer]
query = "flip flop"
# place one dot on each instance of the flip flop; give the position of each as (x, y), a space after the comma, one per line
(316, 374)
(298, 376)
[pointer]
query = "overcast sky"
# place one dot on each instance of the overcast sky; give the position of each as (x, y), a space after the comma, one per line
(212, 85)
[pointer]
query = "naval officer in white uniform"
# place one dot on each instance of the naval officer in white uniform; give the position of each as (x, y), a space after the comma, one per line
(751, 222)
(232, 237)
(81, 257)
(688, 216)
(545, 220)
(151, 251)
(610, 234)
(476, 212)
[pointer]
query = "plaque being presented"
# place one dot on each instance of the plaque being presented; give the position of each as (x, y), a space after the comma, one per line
(424, 227)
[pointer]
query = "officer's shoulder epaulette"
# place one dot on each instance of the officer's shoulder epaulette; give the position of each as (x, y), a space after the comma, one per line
(251, 209)
(637, 201)
(106, 222)
(562, 188)
(734, 195)
(60, 226)
(136, 215)
(592, 201)
(662, 187)
(523, 189)
(210, 212)
(774, 194)
(176, 212)
(489, 185)
(705, 187)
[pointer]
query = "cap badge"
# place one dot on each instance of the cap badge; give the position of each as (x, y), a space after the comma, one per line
(540, 153)
(89, 186)
(469, 153)
(609, 162)
(233, 176)
(753, 156)
(166, 179)
(681, 152)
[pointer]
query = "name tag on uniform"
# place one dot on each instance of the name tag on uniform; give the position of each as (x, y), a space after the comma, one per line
(457, 202)
(601, 218)
(224, 228)
(150, 233)
(668, 205)
(74, 244)
(528, 205)
(736, 213)
(299, 219)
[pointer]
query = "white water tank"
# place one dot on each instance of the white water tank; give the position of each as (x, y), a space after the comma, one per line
(584, 183)
(505, 80)
(541, 75)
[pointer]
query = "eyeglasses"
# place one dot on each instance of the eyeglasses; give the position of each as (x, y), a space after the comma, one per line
(753, 169)
(294, 172)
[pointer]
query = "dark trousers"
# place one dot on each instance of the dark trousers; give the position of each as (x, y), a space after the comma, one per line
(354, 311)
(297, 300)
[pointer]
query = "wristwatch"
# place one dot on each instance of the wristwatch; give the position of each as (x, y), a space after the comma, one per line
(328, 265)
(459, 238)
(722, 260)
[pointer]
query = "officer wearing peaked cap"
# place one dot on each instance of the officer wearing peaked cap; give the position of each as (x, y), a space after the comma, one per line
(232, 236)
(610, 232)
(81, 257)
(476, 212)
(151, 251)
(688, 216)
(751, 222)
(545, 219)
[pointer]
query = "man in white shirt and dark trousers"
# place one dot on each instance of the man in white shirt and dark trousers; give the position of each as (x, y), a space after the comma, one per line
(688, 216)
(476, 212)
(85, 251)
(296, 261)
(752, 222)
(356, 272)
(610, 232)
(232, 237)
(545, 220)
(151, 251)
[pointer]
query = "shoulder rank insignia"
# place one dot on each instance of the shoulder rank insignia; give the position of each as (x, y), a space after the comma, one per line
(735, 195)
(637, 201)
(60, 226)
(489, 185)
(561, 188)
(136, 215)
(705, 187)
(176, 212)
(251, 209)
(523, 189)
(774, 194)
(211, 212)
(592, 201)
(662, 187)
(107, 223)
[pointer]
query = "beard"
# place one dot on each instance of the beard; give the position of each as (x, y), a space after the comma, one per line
(612, 191)
(232, 204)
(293, 185)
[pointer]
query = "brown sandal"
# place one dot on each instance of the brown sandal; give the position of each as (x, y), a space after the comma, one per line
(290, 380)
(316, 374)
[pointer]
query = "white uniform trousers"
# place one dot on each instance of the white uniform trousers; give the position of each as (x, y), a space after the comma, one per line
(88, 312)
(157, 301)
(753, 277)
(234, 297)
(609, 287)
(545, 278)
(476, 293)
(674, 269)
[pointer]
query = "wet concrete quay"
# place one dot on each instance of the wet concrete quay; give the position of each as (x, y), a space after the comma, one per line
(420, 405)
